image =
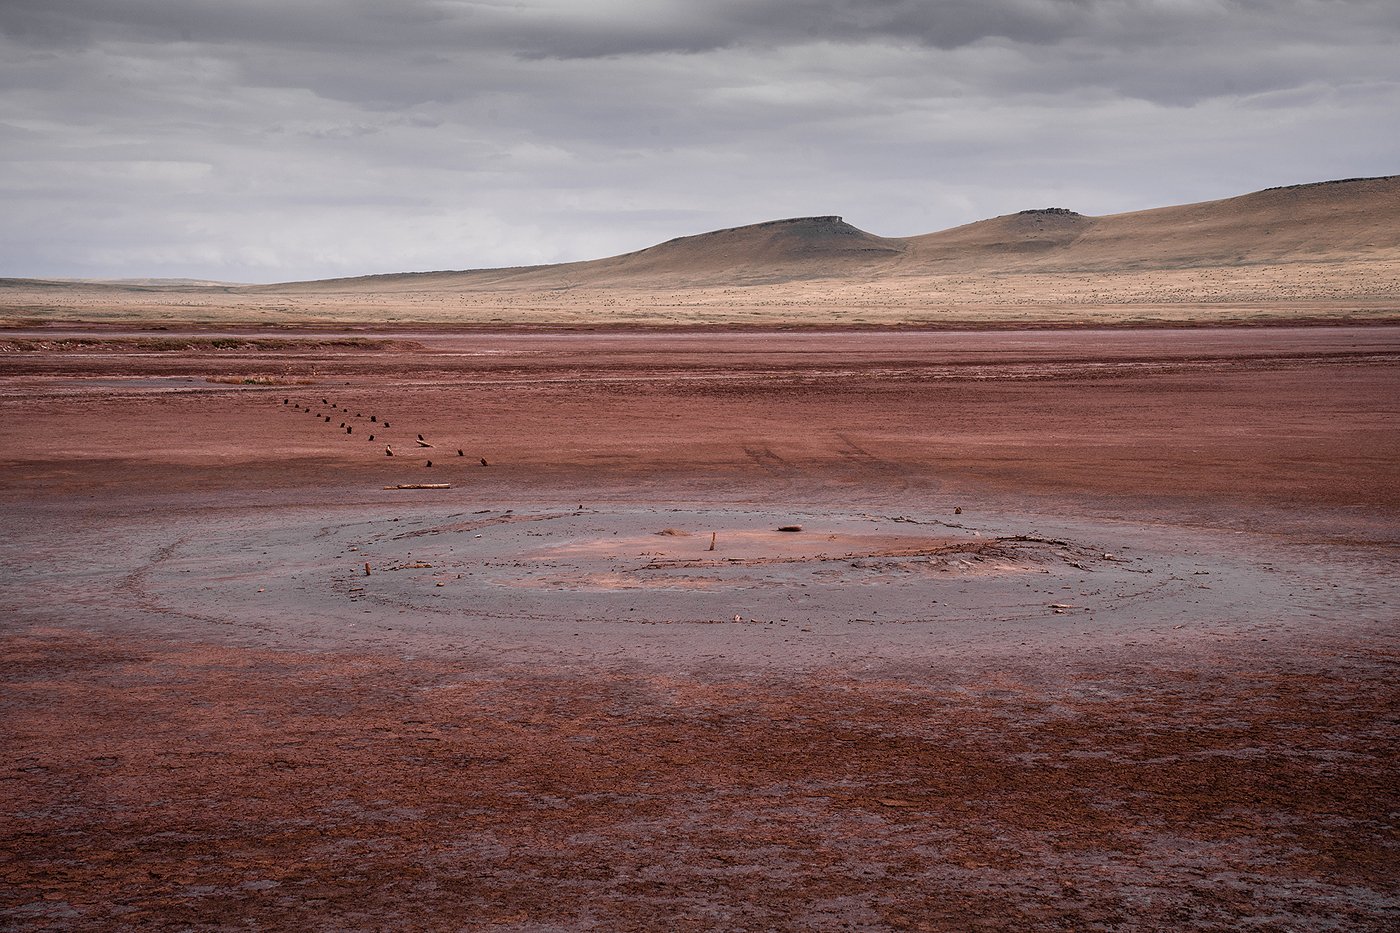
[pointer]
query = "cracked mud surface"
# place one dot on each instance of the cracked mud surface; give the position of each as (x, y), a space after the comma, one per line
(1145, 679)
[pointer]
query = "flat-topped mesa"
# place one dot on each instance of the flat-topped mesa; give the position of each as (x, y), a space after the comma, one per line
(1004, 242)
(1335, 181)
(799, 234)
(804, 221)
(774, 250)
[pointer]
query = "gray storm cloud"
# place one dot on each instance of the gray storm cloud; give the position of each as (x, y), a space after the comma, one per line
(273, 140)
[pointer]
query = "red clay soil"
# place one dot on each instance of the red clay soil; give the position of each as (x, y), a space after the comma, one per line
(1186, 719)
(1280, 417)
(177, 785)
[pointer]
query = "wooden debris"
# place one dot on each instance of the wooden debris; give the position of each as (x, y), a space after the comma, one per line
(421, 486)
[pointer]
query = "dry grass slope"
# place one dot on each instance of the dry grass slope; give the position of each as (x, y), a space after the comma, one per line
(1329, 250)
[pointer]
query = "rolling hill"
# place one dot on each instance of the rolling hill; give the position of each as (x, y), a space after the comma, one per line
(1321, 251)
(1350, 219)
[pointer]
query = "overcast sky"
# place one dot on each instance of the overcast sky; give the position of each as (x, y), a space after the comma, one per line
(267, 140)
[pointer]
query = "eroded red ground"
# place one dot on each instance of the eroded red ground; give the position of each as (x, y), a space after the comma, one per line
(175, 763)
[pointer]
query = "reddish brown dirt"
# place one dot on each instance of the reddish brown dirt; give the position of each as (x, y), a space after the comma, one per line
(171, 768)
(176, 785)
(1266, 416)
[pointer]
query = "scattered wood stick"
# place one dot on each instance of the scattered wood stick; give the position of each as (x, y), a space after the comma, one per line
(421, 486)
